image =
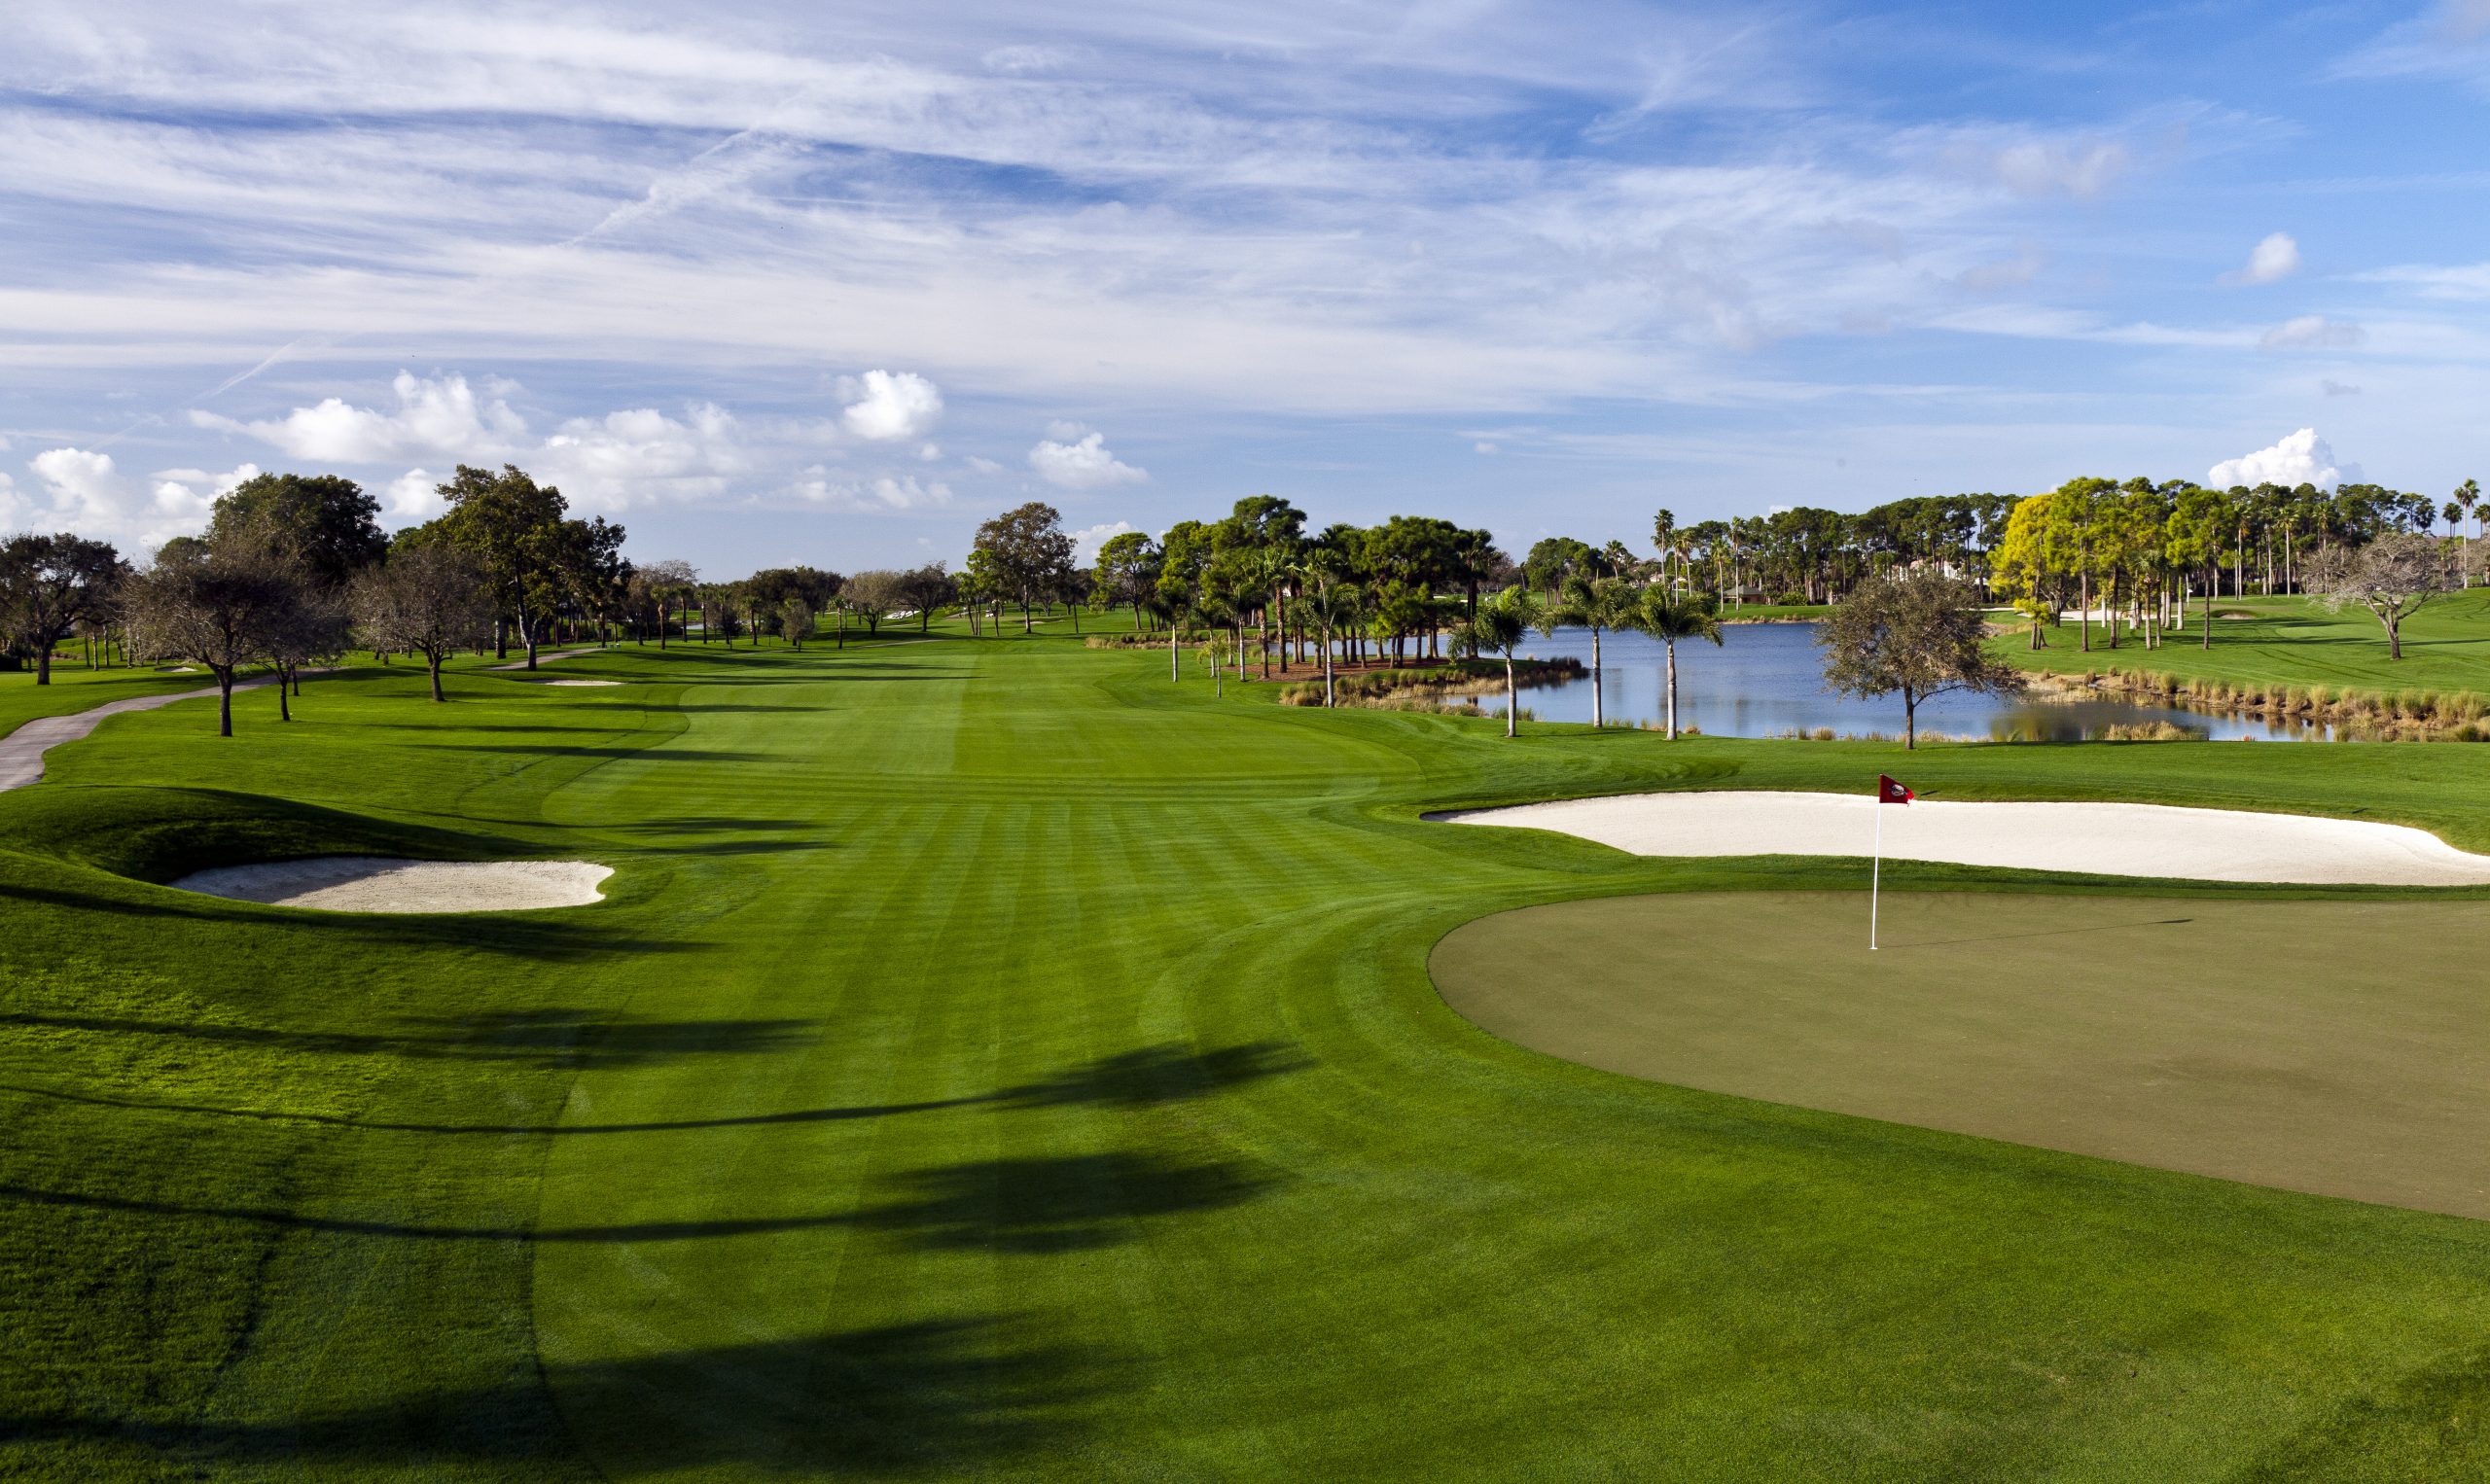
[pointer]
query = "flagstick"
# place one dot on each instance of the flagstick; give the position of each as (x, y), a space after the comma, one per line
(1876, 870)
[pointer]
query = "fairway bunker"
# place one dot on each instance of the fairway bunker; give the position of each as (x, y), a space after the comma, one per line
(384, 884)
(2333, 1048)
(2152, 840)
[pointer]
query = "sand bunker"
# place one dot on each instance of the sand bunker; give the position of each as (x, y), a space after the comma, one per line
(2106, 839)
(382, 884)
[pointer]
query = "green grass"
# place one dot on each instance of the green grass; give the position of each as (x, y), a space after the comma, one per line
(2291, 641)
(2023, 1018)
(993, 1060)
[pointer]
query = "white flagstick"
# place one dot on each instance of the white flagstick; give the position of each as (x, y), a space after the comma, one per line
(1877, 871)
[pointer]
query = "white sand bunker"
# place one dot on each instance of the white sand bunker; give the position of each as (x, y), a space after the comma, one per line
(2105, 839)
(383, 884)
(578, 683)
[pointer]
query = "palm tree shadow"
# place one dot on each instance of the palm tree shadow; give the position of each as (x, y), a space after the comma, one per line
(1034, 1205)
(1134, 1079)
(933, 1395)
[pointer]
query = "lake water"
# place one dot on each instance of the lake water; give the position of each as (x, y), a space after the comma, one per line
(1767, 680)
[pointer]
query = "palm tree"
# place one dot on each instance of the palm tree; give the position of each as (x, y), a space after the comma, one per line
(1503, 621)
(1166, 604)
(1327, 597)
(2467, 495)
(1605, 603)
(1669, 617)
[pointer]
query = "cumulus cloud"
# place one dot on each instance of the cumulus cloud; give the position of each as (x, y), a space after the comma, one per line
(885, 494)
(2312, 331)
(84, 491)
(1482, 446)
(885, 407)
(413, 497)
(1087, 541)
(439, 416)
(2270, 261)
(640, 456)
(984, 466)
(2334, 388)
(1084, 465)
(2302, 458)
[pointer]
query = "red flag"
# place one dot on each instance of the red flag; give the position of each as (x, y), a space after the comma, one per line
(1889, 791)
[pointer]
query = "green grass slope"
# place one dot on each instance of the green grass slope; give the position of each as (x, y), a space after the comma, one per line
(992, 1060)
(2291, 641)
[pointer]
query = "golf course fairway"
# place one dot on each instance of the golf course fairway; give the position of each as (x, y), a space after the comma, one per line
(989, 1059)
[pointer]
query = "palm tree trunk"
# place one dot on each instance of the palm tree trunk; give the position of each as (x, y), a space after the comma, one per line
(1670, 646)
(1598, 716)
(1330, 699)
(1513, 697)
(1174, 675)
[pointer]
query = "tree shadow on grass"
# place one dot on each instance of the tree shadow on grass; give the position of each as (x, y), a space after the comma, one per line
(541, 934)
(1135, 1079)
(1041, 1204)
(574, 1039)
(657, 750)
(935, 1395)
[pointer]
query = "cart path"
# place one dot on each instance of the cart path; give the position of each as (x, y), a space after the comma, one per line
(21, 751)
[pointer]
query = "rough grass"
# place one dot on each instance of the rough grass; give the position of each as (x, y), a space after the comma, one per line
(992, 1059)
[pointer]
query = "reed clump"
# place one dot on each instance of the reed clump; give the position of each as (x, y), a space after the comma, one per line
(2399, 715)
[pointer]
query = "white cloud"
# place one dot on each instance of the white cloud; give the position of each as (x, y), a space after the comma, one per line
(930, 452)
(2270, 261)
(1086, 542)
(1084, 465)
(888, 407)
(641, 457)
(2078, 168)
(1482, 446)
(436, 415)
(983, 465)
(1063, 432)
(87, 492)
(882, 495)
(81, 483)
(2312, 331)
(2465, 282)
(413, 497)
(2302, 458)
(2334, 388)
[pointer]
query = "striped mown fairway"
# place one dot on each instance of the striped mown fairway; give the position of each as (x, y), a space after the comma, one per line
(993, 1061)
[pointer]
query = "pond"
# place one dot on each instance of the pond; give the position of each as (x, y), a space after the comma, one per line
(1767, 680)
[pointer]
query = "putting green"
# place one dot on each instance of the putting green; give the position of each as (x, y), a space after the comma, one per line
(2337, 1047)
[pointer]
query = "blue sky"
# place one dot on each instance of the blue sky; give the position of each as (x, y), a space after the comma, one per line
(833, 283)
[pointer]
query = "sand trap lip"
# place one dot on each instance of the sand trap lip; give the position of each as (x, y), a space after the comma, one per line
(386, 884)
(2154, 840)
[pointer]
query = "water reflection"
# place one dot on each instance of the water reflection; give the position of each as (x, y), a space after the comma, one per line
(1767, 680)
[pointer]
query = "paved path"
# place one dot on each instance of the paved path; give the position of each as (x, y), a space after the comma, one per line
(21, 751)
(546, 660)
